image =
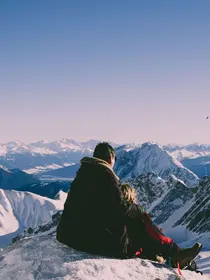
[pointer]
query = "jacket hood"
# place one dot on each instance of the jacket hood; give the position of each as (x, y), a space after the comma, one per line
(94, 160)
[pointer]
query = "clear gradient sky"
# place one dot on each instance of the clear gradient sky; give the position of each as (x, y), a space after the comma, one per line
(128, 71)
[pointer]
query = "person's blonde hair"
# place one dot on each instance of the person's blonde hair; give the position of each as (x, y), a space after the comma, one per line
(129, 193)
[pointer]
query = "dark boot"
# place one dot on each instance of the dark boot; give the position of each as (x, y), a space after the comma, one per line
(184, 256)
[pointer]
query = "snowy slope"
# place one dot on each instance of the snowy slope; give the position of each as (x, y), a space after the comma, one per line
(150, 189)
(166, 200)
(181, 211)
(21, 210)
(151, 157)
(197, 218)
(42, 257)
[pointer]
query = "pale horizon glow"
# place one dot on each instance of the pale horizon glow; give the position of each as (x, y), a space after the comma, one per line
(128, 72)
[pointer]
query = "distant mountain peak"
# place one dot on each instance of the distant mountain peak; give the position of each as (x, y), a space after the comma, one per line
(151, 157)
(60, 196)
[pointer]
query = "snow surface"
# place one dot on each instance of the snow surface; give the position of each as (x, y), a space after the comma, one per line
(168, 225)
(21, 210)
(39, 256)
(42, 257)
(203, 261)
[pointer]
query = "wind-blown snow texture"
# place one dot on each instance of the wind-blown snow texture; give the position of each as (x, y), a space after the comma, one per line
(40, 256)
(21, 210)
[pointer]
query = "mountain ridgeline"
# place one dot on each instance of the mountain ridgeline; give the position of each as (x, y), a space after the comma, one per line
(44, 156)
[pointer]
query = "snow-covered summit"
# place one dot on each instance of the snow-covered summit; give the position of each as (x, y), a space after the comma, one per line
(61, 196)
(151, 157)
(42, 257)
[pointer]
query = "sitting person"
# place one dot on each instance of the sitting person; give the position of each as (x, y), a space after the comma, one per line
(156, 245)
(98, 220)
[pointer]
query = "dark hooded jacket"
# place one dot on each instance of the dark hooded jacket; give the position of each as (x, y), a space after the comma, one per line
(95, 214)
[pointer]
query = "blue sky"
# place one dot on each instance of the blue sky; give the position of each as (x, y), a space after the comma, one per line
(128, 71)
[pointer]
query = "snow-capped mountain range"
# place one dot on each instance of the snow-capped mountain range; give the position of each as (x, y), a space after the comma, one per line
(44, 147)
(53, 147)
(44, 156)
(197, 217)
(134, 160)
(21, 210)
(48, 147)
